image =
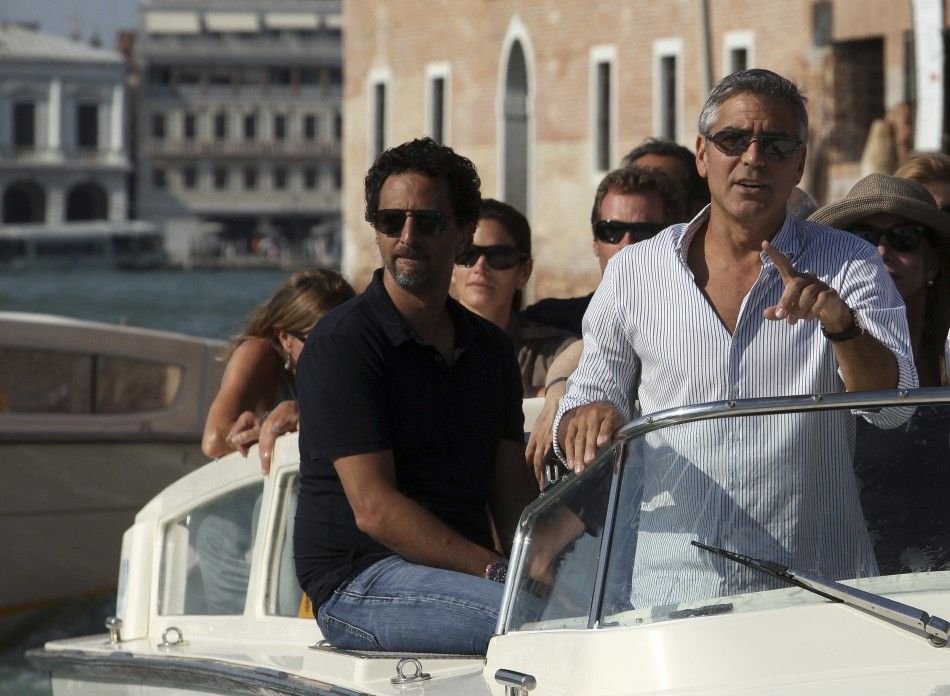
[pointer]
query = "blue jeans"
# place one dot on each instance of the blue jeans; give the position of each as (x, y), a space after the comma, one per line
(398, 606)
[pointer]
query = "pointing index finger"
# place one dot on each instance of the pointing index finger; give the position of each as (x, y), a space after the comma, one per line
(784, 266)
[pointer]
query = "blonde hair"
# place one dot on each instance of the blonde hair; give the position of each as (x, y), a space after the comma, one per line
(924, 167)
(296, 306)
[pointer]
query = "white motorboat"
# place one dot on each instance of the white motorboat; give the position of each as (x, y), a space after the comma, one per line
(568, 624)
(95, 419)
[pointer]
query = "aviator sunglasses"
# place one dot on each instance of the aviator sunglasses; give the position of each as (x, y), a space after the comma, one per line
(772, 147)
(901, 237)
(390, 221)
(501, 257)
(612, 231)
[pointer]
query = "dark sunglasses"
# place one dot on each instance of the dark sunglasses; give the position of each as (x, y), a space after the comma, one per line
(902, 237)
(945, 207)
(501, 257)
(300, 336)
(612, 231)
(735, 142)
(390, 221)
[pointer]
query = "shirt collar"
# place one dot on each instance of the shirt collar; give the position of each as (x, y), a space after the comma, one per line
(398, 330)
(789, 239)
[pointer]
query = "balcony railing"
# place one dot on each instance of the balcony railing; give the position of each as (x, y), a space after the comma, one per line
(304, 149)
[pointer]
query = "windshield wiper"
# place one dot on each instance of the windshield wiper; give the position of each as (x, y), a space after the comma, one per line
(936, 629)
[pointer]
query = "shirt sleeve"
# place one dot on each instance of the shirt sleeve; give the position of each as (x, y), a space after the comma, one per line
(609, 369)
(342, 399)
(871, 292)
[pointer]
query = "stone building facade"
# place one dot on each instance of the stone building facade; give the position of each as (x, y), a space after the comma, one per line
(545, 96)
(63, 158)
(239, 125)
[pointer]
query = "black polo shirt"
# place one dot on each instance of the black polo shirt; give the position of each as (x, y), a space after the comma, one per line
(366, 383)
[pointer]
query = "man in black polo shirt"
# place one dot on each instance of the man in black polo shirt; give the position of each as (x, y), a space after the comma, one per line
(410, 431)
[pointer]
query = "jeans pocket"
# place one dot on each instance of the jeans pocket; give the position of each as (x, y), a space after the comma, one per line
(342, 634)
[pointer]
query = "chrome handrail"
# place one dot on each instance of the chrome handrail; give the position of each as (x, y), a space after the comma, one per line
(866, 400)
(781, 404)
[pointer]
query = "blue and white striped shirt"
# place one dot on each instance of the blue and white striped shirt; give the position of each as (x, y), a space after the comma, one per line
(778, 487)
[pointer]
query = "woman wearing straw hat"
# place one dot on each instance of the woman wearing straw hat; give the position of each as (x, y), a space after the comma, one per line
(900, 469)
(900, 217)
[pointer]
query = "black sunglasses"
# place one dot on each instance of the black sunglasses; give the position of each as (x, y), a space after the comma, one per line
(501, 257)
(299, 335)
(945, 207)
(612, 231)
(735, 142)
(901, 237)
(390, 221)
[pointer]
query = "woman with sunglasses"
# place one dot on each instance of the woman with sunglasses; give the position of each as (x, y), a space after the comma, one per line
(488, 280)
(258, 382)
(912, 235)
(898, 468)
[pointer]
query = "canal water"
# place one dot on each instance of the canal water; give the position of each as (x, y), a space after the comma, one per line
(203, 303)
(212, 304)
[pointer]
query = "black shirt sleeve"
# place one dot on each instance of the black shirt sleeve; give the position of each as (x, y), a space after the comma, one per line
(513, 426)
(342, 397)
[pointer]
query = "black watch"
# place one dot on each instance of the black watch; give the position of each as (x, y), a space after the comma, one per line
(852, 331)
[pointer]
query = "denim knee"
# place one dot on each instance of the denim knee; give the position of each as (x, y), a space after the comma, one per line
(342, 634)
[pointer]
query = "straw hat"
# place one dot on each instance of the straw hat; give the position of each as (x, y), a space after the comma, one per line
(880, 193)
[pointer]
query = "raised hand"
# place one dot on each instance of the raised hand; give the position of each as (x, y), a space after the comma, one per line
(806, 297)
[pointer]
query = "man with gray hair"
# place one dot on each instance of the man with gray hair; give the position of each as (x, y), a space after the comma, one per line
(744, 301)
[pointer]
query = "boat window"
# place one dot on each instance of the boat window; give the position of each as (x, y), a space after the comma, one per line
(129, 386)
(206, 556)
(845, 495)
(555, 583)
(284, 596)
(47, 381)
(39, 381)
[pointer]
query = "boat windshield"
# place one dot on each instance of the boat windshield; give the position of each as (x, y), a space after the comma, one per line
(821, 490)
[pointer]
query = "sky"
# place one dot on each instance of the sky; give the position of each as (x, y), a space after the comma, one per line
(56, 16)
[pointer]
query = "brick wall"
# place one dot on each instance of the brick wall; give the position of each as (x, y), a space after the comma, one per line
(403, 36)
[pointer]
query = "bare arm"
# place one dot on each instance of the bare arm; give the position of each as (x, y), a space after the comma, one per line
(865, 362)
(539, 443)
(247, 386)
(513, 489)
(399, 523)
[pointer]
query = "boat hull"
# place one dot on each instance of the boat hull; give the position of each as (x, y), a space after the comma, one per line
(65, 507)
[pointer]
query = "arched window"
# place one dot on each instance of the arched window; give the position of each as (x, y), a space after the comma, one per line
(515, 173)
(86, 201)
(24, 202)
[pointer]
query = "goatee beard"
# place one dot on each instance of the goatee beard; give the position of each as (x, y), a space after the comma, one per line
(408, 281)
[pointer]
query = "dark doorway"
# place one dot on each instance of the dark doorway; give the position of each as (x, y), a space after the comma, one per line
(24, 202)
(946, 92)
(24, 125)
(86, 202)
(87, 126)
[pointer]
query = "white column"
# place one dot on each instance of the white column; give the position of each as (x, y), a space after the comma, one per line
(117, 200)
(55, 203)
(117, 137)
(928, 47)
(54, 121)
